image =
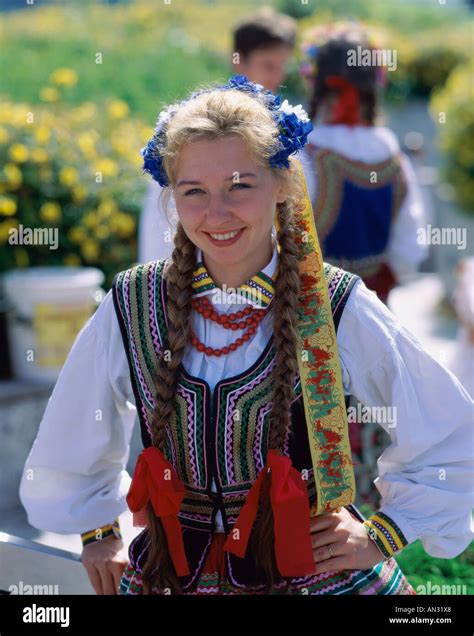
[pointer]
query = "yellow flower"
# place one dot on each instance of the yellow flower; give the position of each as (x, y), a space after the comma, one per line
(117, 109)
(123, 224)
(78, 193)
(64, 77)
(13, 174)
(107, 167)
(49, 94)
(106, 208)
(68, 176)
(42, 134)
(77, 234)
(86, 143)
(18, 153)
(50, 212)
(90, 220)
(90, 250)
(85, 111)
(71, 260)
(7, 206)
(39, 155)
(3, 135)
(102, 232)
(121, 147)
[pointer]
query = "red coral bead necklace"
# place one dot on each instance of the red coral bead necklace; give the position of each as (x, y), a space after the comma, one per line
(249, 318)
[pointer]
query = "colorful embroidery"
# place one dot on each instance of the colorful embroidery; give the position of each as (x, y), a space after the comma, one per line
(320, 373)
(259, 289)
(109, 530)
(386, 534)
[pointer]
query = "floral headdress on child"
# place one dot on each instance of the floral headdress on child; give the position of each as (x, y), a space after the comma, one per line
(321, 384)
(314, 38)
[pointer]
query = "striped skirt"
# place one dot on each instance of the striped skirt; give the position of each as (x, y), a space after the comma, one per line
(385, 578)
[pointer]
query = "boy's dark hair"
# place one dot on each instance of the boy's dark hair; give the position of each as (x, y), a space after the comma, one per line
(263, 29)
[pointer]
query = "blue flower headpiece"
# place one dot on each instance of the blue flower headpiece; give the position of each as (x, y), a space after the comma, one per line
(293, 124)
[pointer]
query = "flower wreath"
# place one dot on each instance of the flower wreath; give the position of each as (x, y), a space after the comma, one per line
(314, 38)
(293, 124)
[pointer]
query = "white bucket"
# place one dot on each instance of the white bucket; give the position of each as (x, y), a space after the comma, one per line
(48, 307)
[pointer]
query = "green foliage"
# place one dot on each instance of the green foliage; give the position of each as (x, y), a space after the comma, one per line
(451, 108)
(420, 567)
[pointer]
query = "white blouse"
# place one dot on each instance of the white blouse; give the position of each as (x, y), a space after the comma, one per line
(75, 477)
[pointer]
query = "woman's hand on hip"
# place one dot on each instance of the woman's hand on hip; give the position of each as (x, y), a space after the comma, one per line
(105, 562)
(340, 542)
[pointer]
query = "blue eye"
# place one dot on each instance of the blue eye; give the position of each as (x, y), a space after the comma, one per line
(243, 185)
(192, 191)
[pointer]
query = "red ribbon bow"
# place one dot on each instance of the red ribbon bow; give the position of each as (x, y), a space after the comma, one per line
(156, 480)
(347, 108)
(291, 512)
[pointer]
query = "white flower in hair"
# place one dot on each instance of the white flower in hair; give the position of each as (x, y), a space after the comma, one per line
(164, 118)
(296, 110)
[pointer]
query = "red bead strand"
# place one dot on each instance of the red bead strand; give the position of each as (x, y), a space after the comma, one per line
(252, 318)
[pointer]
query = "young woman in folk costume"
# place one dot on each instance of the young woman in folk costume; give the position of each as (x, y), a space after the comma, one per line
(229, 351)
(365, 196)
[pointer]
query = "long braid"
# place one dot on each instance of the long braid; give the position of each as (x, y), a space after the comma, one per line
(287, 288)
(159, 570)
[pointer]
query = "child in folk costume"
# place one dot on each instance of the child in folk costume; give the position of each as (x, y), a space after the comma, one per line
(364, 191)
(237, 353)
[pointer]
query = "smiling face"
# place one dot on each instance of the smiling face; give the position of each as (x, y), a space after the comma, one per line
(220, 190)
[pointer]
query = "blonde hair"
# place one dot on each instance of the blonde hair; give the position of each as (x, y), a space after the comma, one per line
(213, 115)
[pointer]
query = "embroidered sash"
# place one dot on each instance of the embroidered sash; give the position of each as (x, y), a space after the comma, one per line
(320, 372)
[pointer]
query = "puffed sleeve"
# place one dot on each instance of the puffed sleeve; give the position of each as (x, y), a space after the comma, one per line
(426, 473)
(405, 252)
(74, 477)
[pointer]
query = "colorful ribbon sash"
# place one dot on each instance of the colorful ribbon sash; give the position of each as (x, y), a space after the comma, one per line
(320, 371)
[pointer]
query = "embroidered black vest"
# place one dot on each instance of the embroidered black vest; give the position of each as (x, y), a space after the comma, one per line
(221, 434)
